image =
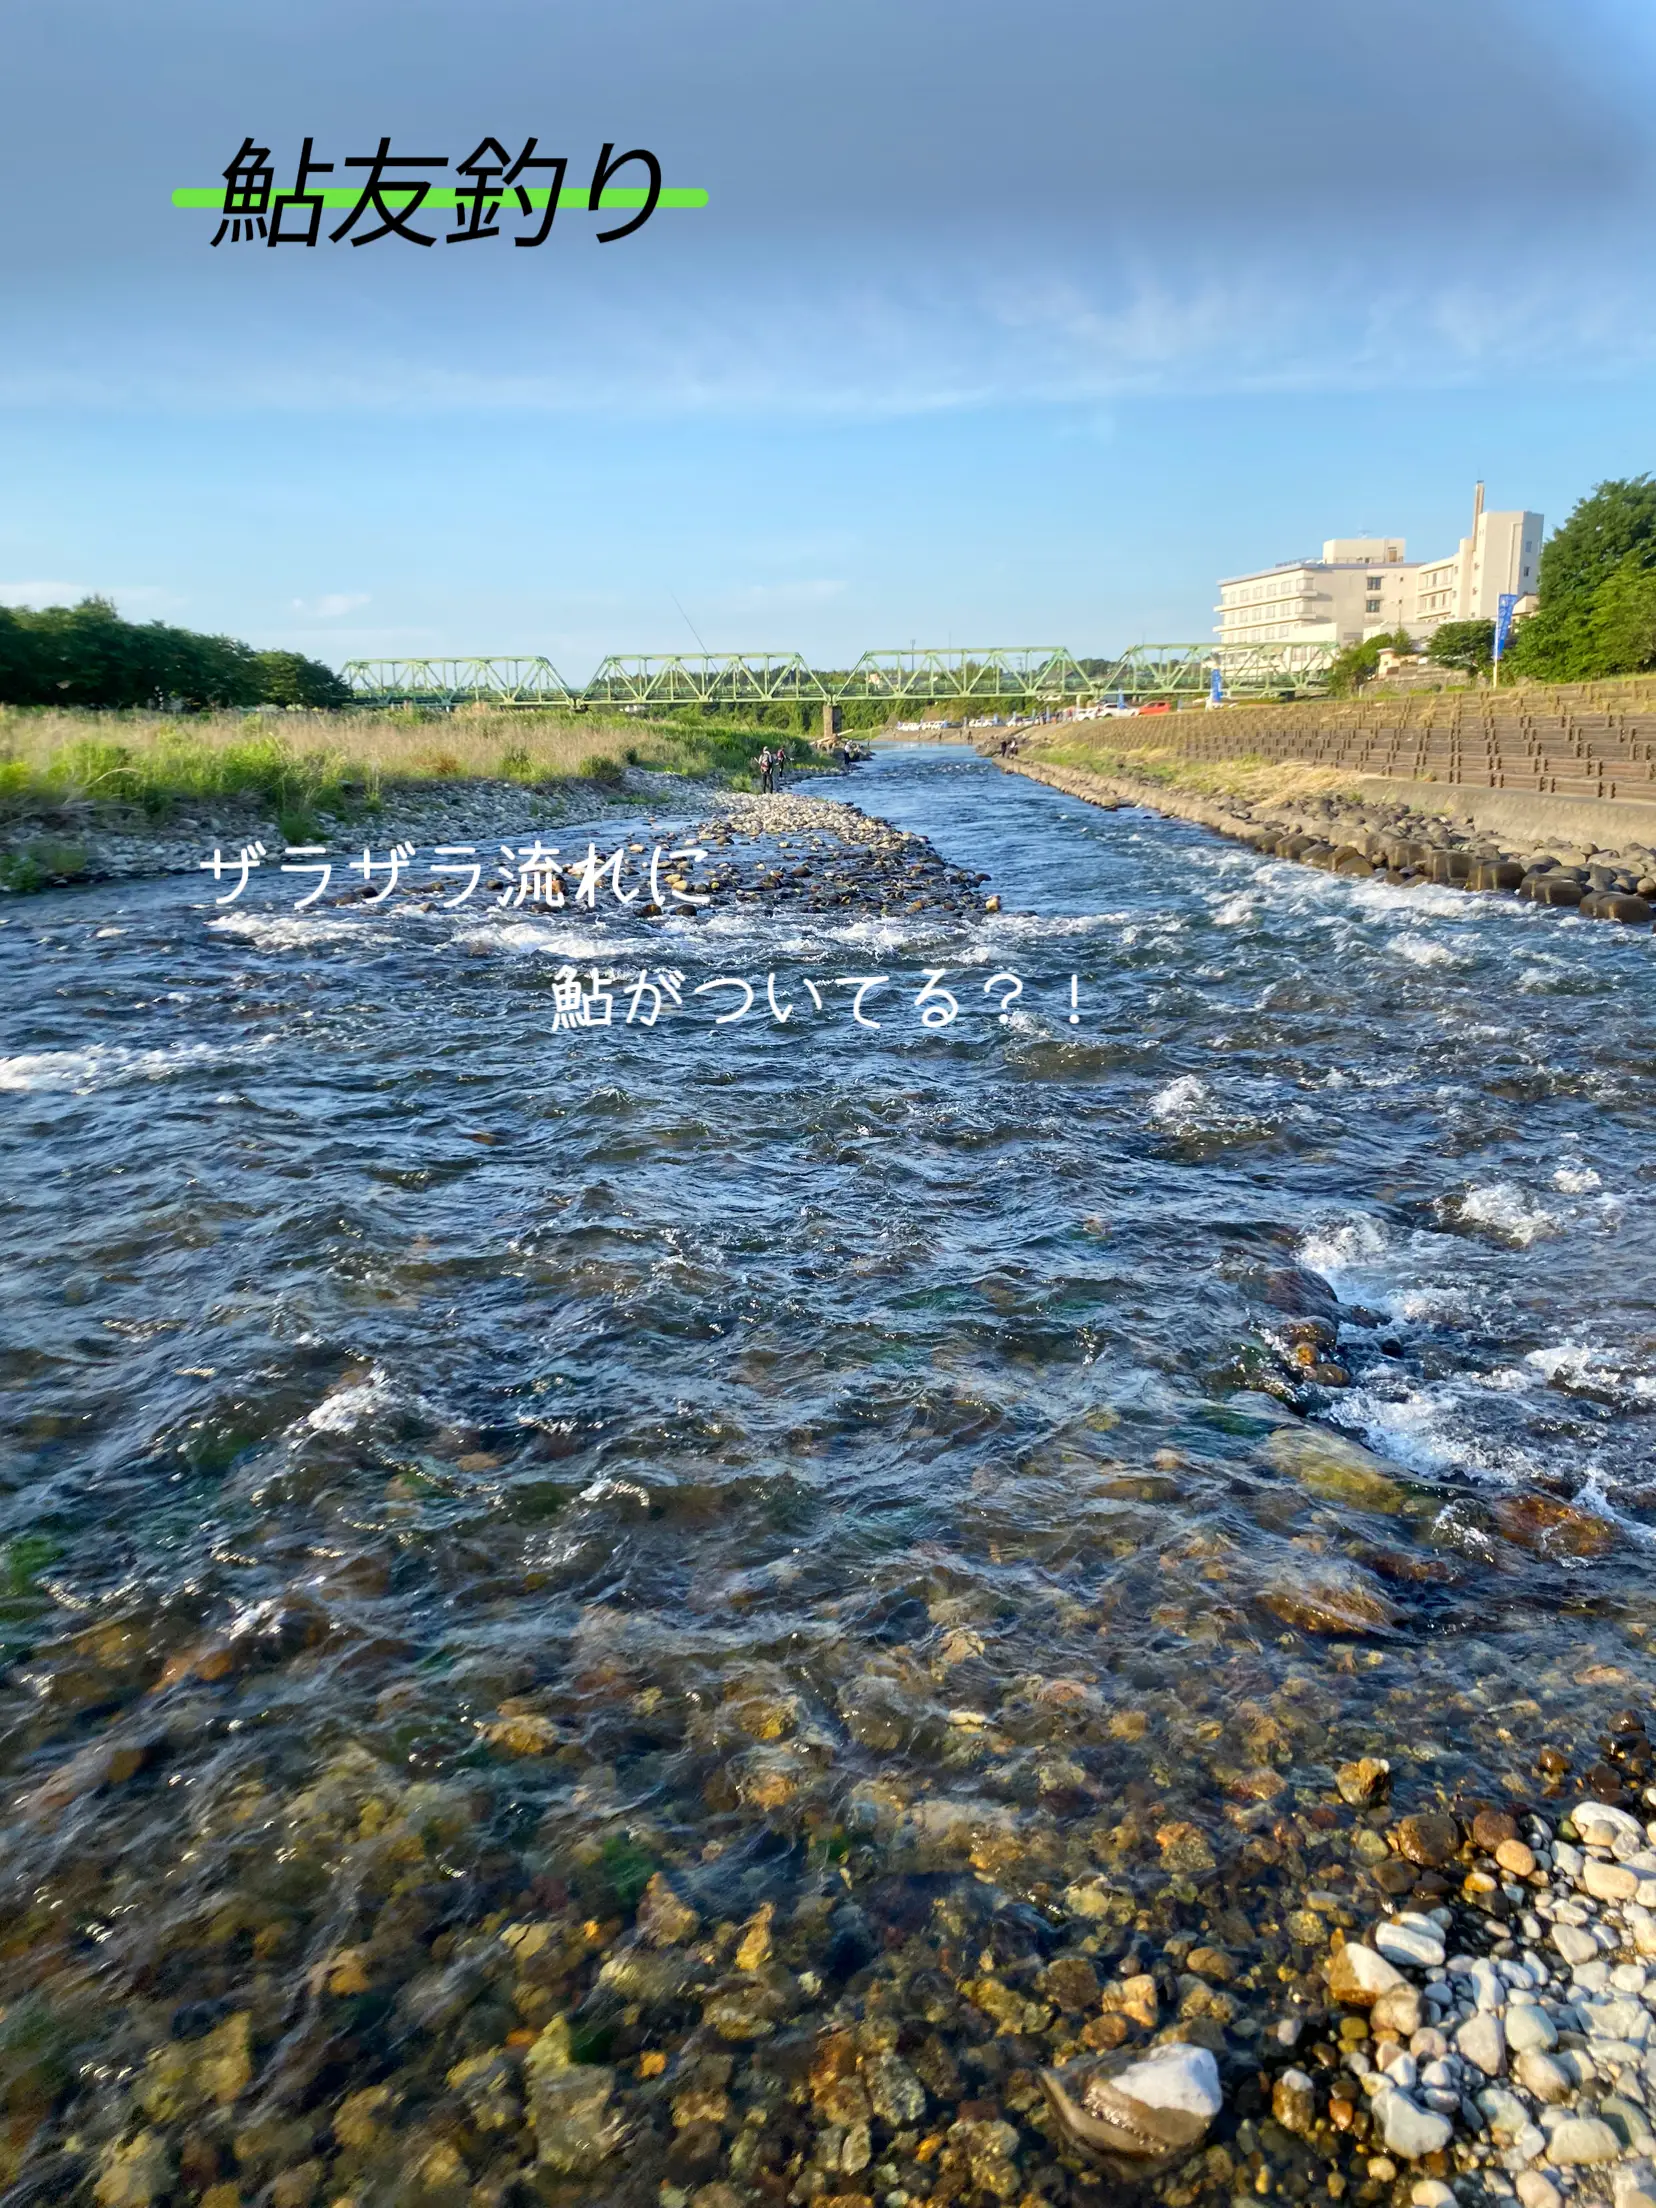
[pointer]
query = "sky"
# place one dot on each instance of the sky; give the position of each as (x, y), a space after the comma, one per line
(1013, 324)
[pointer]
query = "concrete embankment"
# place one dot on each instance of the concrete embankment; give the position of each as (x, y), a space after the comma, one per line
(1593, 856)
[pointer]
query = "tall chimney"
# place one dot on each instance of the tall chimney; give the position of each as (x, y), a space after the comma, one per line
(1477, 509)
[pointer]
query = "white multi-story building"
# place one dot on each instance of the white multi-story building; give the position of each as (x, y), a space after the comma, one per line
(1367, 586)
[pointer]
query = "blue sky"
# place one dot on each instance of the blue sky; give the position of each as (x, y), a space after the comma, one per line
(1004, 324)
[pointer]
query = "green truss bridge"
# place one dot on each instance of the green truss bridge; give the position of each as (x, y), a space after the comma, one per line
(1035, 677)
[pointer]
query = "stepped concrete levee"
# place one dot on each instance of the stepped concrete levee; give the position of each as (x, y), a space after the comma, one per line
(1593, 742)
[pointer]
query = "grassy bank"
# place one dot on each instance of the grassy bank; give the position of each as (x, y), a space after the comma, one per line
(83, 770)
(1254, 780)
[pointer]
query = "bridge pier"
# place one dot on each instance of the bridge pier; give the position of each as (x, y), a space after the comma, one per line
(833, 720)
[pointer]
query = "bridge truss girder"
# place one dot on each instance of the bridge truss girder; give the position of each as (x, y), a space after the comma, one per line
(520, 680)
(642, 679)
(1266, 668)
(1038, 675)
(990, 673)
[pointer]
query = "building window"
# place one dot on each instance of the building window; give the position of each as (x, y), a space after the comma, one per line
(1374, 581)
(1371, 605)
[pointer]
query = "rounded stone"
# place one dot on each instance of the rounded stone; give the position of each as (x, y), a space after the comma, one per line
(1537, 2073)
(1516, 1859)
(1363, 1782)
(1575, 1945)
(1430, 1837)
(1481, 2040)
(1491, 1828)
(1529, 2029)
(1294, 2102)
(1580, 2140)
(1398, 2011)
(1410, 2130)
(1609, 1881)
(1409, 1943)
(1357, 1976)
(1599, 1823)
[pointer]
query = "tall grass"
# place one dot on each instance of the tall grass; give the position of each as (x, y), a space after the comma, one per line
(74, 767)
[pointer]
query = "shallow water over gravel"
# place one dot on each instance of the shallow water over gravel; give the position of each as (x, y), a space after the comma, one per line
(456, 1469)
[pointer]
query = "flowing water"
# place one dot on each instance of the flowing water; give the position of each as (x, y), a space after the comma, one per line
(457, 1468)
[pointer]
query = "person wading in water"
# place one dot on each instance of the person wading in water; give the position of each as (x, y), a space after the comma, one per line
(763, 763)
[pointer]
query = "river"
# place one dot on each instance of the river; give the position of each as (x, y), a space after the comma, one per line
(459, 1469)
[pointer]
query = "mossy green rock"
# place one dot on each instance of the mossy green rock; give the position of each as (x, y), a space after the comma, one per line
(1336, 1470)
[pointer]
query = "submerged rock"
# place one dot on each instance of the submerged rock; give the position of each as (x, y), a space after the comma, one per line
(576, 2131)
(663, 1919)
(1138, 2113)
(1336, 1469)
(1330, 1598)
(1365, 1781)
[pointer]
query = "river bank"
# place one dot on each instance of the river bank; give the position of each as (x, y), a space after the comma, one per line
(1407, 835)
(119, 796)
(659, 1615)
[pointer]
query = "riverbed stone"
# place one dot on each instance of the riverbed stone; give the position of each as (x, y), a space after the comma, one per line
(1536, 2191)
(1540, 2074)
(1399, 2010)
(1294, 2102)
(1363, 1782)
(1358, 1975)
(575, 2129)
(1609, 1881)
(1412, 1941)
(1574, 1944)
(1482, 2040)
(1330, 1598)
(663, 1919)
(1407, 2128)
(1337, 1470)
(1582, 2140)
(1601, 1824)
(1429, 1837)
(1530, 2029)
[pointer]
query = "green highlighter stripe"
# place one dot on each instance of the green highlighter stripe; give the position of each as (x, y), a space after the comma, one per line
(575, 201)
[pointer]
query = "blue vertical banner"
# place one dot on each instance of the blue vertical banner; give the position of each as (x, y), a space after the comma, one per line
(1216, 687)
(1505, 606)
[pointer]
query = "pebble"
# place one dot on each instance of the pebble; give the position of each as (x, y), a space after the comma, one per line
(1574, 1944)
(1582, 2139)
(1537, 2073)
(1599, 1823)
(1409, 1940)
(1357, 1975)
(1530, 2030)
(1483, 2042)
(1535, 2191)
(1609, 1881)
(1408, 2129)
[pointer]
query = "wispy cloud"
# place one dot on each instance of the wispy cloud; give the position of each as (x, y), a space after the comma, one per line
(983, 331)
(333, 605)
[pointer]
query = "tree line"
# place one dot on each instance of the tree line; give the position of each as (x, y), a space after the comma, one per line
(86, 655)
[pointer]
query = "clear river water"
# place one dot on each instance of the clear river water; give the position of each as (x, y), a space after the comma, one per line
(458, 1469)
